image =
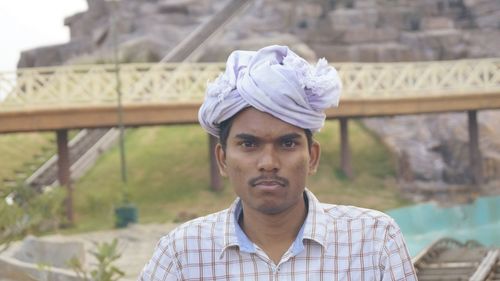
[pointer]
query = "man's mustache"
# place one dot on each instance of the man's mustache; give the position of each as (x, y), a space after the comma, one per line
(279, 180)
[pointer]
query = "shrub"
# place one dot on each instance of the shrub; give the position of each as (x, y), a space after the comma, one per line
(25, 210)
(104, 270)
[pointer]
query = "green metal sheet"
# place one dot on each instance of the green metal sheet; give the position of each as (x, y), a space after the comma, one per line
(422, 224)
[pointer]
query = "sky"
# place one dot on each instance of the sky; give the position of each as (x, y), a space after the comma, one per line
(26, 24)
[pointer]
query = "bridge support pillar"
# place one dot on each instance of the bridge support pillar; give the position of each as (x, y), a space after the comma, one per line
(63, 171)
(215, 179)
(345, 151)
(474, 152)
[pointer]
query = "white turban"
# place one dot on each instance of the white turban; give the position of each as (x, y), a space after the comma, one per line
(274, 80)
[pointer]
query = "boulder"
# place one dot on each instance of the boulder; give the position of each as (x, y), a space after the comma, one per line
(397, 17)
(322, 33)
(369, 52)
(485, 13)
(53, 55)
(435, 44)
(368, 35)
(50, 252)
(430, 7)
(219, 51)
(482, 43)
(12, 269)
(82, 24)
(46, 56)
(177, 6)
(142, 49)
(434, 148)
(430, 23)
(334, 53)
(366, 4)
(491, 20)
(486, 7)
(352, 18)
(351, 31)
(308, 10)
(394, 52)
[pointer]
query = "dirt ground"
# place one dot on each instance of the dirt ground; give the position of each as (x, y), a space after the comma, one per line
(136, 244)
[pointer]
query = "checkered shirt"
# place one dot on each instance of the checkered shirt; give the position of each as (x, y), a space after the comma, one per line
(335, 243)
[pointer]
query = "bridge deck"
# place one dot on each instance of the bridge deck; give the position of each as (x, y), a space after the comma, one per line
(49, 119)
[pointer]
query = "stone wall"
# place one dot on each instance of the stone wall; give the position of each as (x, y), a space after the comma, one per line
(340, 30)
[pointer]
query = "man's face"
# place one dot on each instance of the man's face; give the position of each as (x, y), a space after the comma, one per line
(267, 161)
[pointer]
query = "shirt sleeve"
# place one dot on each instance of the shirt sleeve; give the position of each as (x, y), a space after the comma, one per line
(395, 262)
(163, 266)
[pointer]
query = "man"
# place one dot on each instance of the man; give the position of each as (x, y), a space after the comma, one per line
(264, 109)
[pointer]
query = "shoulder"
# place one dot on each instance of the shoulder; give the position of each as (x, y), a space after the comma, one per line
(182, 246)
(353, 212)
(356, 216)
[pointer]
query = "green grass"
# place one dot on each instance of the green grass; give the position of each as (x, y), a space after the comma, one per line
(23, 153)
(168, 175)
(19, 153)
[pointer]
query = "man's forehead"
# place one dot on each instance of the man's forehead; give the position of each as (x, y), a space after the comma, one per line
(251, 121)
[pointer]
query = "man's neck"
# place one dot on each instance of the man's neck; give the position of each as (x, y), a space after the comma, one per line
(273, 233)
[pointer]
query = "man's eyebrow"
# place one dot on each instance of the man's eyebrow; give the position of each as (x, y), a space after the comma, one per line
(291, 136)
(244, 136)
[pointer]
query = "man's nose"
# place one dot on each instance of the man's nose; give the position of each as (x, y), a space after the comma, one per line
(269, 160)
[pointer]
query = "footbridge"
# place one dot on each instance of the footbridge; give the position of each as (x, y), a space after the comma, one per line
(86, 96)
(71, 97)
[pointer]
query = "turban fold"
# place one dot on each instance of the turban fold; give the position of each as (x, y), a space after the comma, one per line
(274, 80)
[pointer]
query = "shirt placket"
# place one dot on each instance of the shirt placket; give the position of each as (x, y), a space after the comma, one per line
(275, 269)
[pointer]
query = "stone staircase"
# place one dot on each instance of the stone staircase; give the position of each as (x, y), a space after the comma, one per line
(84, 149)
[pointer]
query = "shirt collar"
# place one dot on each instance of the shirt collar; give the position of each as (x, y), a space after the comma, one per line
(230, 238)
(246, 245)
(314, 227)
(316, 223)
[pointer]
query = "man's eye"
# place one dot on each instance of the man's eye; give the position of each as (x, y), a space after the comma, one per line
(248, 144)
(289, 143)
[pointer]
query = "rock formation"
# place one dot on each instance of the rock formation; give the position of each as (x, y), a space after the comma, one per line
(429, 148)
(340, 30)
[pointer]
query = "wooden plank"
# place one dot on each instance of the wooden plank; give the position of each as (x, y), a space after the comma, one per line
(476, 162)
(63, 172)
(416, 105)
(345, 150)
(45, 119)
(487, 266)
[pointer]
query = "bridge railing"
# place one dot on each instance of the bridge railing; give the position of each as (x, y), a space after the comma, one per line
(85, 85)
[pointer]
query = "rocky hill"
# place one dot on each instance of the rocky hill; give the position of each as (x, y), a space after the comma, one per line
(340, 30)
(431, 150)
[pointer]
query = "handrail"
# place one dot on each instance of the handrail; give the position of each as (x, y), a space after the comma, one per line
(90, 85)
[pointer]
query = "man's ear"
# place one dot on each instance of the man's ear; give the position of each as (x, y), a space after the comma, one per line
(314, 156)
(220, 156)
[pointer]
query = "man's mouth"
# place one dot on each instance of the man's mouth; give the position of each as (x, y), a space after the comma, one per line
(268, 181)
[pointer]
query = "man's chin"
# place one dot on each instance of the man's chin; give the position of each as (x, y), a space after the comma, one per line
(271, 209)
